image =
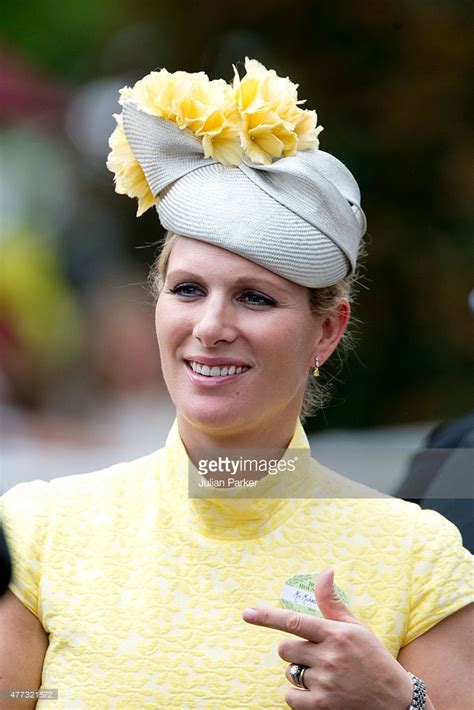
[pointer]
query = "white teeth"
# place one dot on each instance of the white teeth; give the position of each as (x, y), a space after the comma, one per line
(217, 371)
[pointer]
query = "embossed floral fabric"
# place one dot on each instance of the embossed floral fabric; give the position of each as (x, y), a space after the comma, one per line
(141, 588)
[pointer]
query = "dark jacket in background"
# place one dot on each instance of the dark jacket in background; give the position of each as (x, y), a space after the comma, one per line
(441, 477)
(5, 564)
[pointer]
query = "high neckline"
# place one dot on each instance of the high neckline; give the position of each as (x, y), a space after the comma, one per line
(228, 515)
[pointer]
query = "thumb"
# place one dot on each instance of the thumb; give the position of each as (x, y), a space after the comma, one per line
(330, 604)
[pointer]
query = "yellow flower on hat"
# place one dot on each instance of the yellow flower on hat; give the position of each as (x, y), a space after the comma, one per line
(208, 109)
(266, 136)
(304, 124)
(307, 130)
(193, 102)
(261, 87)
(273, 124)
(257, 117)
(221, 139)
(158, 92)
(202, 98)
(129, 177)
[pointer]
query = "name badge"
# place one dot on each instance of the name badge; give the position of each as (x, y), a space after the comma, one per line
(298, 594)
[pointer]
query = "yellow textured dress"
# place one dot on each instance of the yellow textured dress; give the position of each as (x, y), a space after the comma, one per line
(141, 588)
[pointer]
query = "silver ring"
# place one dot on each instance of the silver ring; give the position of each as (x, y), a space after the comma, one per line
(297, 675)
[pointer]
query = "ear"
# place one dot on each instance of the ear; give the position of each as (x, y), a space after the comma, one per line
(331, 331)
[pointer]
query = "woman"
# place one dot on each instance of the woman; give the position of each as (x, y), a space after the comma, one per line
(128, 591)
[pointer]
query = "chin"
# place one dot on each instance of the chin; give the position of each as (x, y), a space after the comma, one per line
(216, 418)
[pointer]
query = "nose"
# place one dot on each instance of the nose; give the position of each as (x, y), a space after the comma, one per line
(215, 322)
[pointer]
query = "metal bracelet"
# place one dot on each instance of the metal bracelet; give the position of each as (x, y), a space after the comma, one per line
(419, 693)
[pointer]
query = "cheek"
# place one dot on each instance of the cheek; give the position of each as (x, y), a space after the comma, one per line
(165, 328)
(173, 331)
(294, 344)
(287, 356)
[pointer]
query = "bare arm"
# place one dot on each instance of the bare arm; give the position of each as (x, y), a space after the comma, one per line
(23, 644)
(443, 658)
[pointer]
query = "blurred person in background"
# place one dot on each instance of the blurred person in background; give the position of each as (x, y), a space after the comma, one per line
(41, 320)
(441, 475)
(127, 591)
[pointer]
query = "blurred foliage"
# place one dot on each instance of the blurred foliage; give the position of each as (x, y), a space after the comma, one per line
(63, 38)
(390, 82)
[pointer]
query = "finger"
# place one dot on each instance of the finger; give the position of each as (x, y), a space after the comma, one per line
(330, 604)
(303, 625)
(297, 651)
(300, 699)
(309, 678)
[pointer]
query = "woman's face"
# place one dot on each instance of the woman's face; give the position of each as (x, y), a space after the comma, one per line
(218, 312)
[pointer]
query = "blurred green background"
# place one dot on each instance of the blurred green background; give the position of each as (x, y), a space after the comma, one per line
(391, 84)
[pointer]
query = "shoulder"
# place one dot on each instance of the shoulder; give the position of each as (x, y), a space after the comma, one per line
(419, 532)
(114, 479)
(44, 521)
(329, 484)
(105, 476)
(35, 502)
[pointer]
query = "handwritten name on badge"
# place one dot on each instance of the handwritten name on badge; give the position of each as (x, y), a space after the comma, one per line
(298, 594)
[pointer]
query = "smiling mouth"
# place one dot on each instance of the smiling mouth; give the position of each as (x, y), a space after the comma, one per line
(216, 371)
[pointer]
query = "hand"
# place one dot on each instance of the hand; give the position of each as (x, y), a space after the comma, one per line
(348, 667)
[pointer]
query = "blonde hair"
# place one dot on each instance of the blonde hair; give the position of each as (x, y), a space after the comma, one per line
(322, 302)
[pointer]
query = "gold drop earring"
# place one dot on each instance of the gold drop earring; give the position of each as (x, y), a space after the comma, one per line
(316, 367)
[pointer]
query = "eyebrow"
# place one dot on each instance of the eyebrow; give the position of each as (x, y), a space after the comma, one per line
(240, 281)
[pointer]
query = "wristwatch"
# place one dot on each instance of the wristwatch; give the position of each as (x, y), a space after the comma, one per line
(419, 693)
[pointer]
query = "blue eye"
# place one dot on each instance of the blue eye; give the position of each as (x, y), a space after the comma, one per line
(257, 299)
(187, 290)
(251, 298)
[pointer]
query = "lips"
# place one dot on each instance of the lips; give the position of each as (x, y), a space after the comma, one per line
(207, 374)
(216, 370)
(216, 361)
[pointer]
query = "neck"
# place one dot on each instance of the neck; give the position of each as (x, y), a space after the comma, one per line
(271, 439)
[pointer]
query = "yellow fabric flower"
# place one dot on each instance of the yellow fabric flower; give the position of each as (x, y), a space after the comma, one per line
(257, 117)
(262, 87)
(158, 92)
(307, 130)
(193, 102)
(129, 177)
(304, 124)
(265, 136)
(208, 109)
(202, 98)
(273, 123)
(221, 139)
